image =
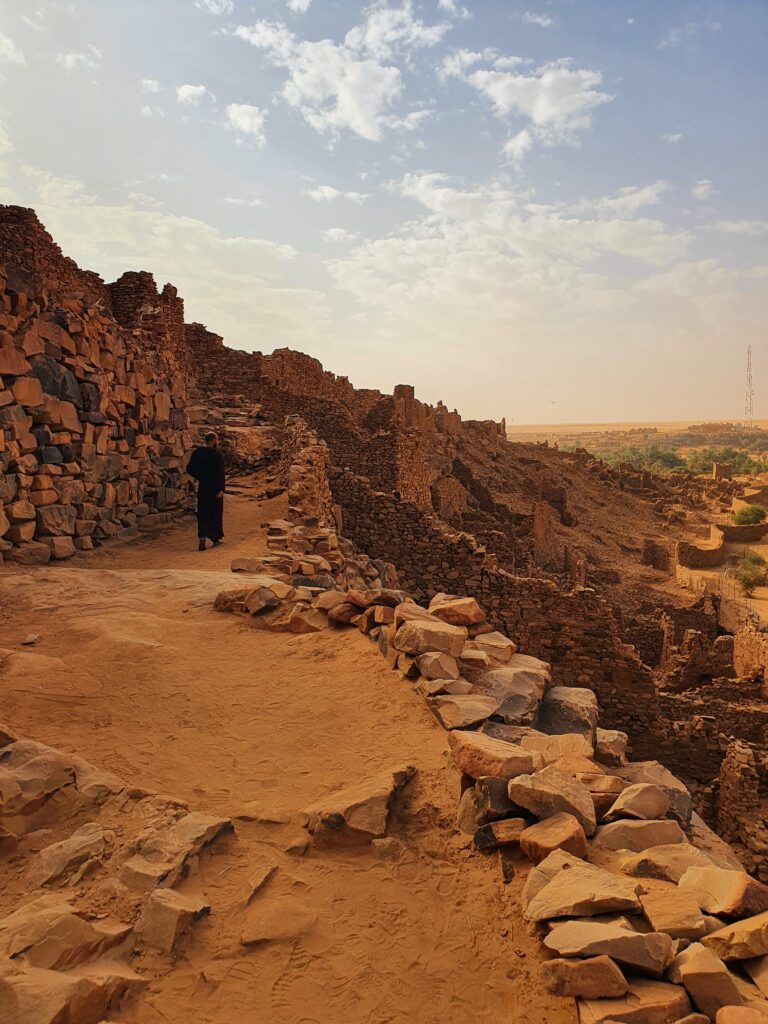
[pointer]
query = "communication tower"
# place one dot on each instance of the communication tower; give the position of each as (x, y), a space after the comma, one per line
(749, 416)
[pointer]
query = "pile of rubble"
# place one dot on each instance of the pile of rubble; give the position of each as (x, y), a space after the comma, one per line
(651, 917)
(91, 873)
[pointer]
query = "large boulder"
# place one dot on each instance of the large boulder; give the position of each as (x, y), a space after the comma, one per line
(461, 710)
(720, 891)
(706, 979)
(669, 862)
(647, 1002)
(421, 637)
(459, 611)
(638, 835)
(356, 814)
(518, 691)
(477, 755)
(740, 940)
(680, 803)
(568, 709)
(549, 791)
(611, 747)
(596, 977)
(641, 800)
(648, 952)
(551, 747)
(673, 912)
(560, 832)
(563, 885)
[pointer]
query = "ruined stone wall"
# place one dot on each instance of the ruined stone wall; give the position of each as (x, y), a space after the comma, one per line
(574, 630)
(750, 652)
(93, 423)
(740, 784)
(304, 467)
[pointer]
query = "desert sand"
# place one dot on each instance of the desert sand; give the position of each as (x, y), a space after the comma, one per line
(134, 671)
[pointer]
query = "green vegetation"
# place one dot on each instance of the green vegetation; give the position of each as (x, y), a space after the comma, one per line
(752, 573)
(701, 460)
(749, 515)
(665, 458)
(654, 457)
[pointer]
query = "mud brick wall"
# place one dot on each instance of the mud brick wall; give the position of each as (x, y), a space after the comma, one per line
(93, 422)
(574, 630)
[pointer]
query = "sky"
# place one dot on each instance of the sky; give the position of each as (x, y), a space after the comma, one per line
(547, 210)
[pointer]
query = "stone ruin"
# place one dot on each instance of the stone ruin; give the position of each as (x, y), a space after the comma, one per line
(394, 504)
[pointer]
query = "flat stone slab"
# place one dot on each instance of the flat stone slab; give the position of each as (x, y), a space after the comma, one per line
(647, 1002)
(462, 710)
(649, 952)
(638, 835)
(560, 832)
(477, 755)
(562, 886)
(668, 862)
(680, 803)
(674, 912)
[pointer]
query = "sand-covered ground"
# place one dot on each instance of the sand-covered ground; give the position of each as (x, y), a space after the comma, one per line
(135, 672)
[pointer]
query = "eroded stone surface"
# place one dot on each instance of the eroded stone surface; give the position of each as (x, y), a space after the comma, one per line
(549, 791)
(359, 813)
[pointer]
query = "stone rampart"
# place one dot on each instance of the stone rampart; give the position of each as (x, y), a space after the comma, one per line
(93, 421)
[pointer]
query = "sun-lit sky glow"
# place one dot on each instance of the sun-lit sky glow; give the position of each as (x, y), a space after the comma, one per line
(551, 211)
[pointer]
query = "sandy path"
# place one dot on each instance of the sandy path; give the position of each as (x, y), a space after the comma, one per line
(134, 671)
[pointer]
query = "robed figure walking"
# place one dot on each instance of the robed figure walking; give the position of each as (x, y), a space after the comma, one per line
(206, 465)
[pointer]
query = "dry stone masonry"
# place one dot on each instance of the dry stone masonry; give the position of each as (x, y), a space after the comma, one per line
(647, 914)
(93, 395)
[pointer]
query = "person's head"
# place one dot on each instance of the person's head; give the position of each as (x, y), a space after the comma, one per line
(211, 438)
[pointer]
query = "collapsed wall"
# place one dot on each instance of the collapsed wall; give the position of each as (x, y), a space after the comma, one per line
(93, 394)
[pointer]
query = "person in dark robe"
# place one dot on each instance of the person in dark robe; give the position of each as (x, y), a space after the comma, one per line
(206, 465)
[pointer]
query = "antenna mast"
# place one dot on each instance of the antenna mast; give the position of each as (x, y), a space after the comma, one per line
(750, 394)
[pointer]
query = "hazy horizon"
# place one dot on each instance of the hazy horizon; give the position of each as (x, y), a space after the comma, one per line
(552, 212)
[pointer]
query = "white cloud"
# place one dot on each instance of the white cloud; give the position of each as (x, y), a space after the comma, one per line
(239, 284)
(6, 146)
(39, 25)
(339, 235)
(299, 6)
(629, 199)
(216, 6)
(246, 119)
(149, 85)
(743, 227)
(672, 136)
(9, 51)
(516, 147)
(542, 20)
(454, 9)
(239, 201)
(457, 63)
(703, 190)
(338, 86)
(555, 95)
(327, 193)
(387, 30)
(90, 60)
(191, 95)
(679, 35)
